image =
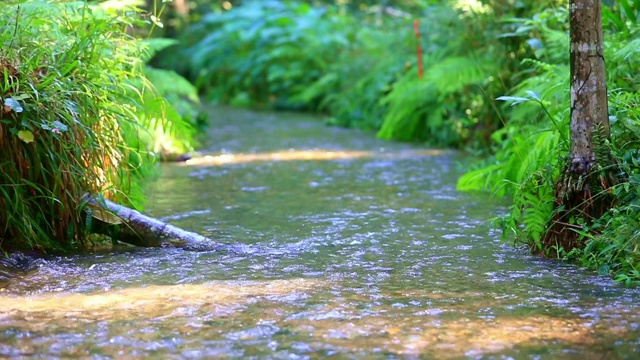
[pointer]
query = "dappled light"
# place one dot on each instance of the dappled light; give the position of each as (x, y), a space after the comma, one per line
(472, 6)
(306, 155)
(262, 311)
(443, 338)
(145, 302)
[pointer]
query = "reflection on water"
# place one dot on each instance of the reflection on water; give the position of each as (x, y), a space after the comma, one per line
(352, 248)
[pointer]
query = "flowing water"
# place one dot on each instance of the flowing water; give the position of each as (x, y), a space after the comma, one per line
(350, 247)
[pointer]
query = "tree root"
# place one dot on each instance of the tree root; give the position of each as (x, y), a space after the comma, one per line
(580, 200)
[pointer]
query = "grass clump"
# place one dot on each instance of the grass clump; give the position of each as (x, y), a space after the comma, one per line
(73, 91)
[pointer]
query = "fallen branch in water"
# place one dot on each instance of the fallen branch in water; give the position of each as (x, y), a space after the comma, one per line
(132, 227)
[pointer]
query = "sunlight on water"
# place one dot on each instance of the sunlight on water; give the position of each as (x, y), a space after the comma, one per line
(455, 338)
(308, 155)
(144, 302)
(347, 247)
(267, 310)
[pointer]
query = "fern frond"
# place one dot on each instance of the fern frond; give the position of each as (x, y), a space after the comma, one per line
(556, 45)
(406, 104)
(630, 51)
(534, 200)
(478, 179)
(169, 82)
(152, 46)
(453, 74)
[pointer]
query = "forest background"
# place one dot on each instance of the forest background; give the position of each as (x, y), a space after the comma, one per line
(490, 78)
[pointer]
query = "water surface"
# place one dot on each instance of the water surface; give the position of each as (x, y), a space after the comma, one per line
(351, 248)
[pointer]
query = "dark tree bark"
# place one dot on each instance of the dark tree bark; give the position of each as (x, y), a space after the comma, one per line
(583, 190)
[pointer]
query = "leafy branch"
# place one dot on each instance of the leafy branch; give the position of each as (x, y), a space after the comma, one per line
(533, 97)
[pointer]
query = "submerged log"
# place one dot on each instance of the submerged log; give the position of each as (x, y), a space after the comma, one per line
(132, 227)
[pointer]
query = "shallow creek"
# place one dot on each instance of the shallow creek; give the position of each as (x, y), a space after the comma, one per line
(352, 247)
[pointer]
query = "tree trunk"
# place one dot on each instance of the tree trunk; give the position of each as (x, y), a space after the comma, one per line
(588, 171)
(588, 85)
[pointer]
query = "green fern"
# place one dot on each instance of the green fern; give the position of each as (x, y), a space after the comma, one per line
(628, 51)
(532, 208)
(407, 104)
(454, 73)
(153, 46)
(531, 140)
(416, 106)
(170, 83)
(521, 156)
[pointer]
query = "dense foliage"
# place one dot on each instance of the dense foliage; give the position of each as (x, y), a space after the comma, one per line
(360, 68)
(79, 117)
(527, 161)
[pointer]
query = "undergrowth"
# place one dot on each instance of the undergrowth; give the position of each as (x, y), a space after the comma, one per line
(529, 154)
(76, 101)
(359, 67)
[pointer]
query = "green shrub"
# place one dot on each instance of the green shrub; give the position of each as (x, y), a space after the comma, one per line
(362, 73)
(530, 148)
(360, 67)
(73, 91)
(174, 104)
(261, 51)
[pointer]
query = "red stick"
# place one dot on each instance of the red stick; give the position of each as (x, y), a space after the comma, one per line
(416, 30)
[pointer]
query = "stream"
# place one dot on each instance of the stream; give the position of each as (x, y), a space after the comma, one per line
(352, 248)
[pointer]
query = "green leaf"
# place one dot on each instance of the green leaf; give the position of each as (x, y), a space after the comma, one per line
(628, 10)
(607, 14)
(26, 136)
(533, 95)
(104, 215)
(20, 96)
(157, 21)
(155, 45)
(516, 99)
